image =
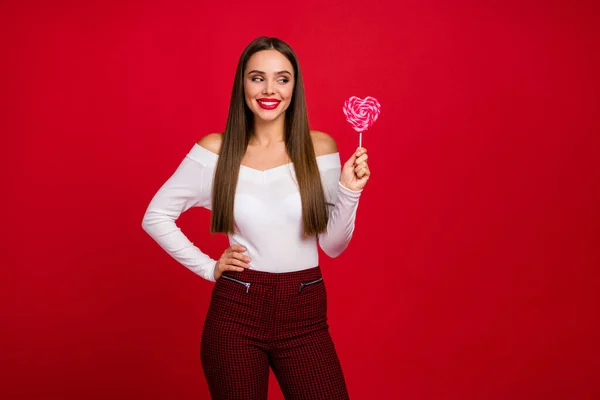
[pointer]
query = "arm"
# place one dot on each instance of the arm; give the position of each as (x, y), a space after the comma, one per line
(189, 186)
(342, 204)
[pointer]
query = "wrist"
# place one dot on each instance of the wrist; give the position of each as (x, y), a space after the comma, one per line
(344, 187)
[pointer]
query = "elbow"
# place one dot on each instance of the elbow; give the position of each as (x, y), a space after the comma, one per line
(145, 225)
(157, 224)
(332, 251)
(334, 245)
(333, 254)
(148, 223)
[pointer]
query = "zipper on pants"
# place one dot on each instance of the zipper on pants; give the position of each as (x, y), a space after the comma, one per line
(247, 284)
(304, 284)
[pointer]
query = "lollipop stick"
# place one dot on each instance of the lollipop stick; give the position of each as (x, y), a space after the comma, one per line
(360, 140)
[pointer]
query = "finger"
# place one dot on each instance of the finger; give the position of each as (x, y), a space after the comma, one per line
(240, 263)
(224, 266)
(239, 256)
(237, 247)
(239, 259)
(352, 160)
(361, 173)
(361, 159)
(360, 166)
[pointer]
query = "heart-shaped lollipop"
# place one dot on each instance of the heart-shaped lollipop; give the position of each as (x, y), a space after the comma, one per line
(361, 113)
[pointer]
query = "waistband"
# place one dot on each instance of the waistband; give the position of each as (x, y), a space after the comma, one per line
(270, 278)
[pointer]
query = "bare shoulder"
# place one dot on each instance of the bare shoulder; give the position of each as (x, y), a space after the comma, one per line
(212, 142)
(323, 143)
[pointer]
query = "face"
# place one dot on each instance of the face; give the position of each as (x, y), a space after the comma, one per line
(268, 84)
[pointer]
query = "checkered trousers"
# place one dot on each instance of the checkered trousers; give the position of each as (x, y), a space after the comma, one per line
(259, 320)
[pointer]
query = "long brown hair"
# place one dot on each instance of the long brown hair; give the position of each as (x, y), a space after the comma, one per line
(298, 145)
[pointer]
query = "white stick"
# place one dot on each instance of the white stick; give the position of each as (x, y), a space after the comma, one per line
(360, 140)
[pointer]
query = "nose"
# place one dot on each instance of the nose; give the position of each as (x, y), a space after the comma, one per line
(268, 89)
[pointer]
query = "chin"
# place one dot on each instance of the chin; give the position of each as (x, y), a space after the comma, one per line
(268, 117)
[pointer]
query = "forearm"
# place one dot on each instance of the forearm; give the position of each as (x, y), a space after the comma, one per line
(188, 187)
(341, 222)
(163, 229)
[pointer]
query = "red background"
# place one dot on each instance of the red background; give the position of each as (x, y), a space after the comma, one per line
(474, 269)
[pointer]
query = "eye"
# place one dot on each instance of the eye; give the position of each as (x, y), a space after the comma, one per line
(260, 79)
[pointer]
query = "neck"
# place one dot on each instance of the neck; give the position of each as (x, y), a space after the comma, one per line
(266, 133)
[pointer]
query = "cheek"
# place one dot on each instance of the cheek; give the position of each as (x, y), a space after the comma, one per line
(288, 93)
(249, 91)
(249, 98)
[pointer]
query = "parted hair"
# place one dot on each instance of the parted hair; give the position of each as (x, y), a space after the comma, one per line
(298, 143)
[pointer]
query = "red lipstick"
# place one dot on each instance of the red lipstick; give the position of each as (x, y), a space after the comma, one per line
(268, 104)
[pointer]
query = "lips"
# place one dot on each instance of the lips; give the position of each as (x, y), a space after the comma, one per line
(268, 104)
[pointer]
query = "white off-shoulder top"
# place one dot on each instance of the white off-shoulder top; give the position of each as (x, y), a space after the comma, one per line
(267, 214)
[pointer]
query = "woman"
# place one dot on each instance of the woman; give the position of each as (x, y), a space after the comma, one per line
(278, 190)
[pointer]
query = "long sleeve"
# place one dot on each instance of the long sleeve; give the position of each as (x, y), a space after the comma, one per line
(342, 204)
(189, 186)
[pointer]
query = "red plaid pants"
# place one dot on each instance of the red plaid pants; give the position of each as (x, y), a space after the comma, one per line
(258, 320)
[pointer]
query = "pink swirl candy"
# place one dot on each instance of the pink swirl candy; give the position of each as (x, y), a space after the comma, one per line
(361, 114)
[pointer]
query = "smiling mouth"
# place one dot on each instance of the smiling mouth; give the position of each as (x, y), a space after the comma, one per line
(268, 105)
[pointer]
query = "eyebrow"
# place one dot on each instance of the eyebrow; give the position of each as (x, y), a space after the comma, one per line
(262, 72)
